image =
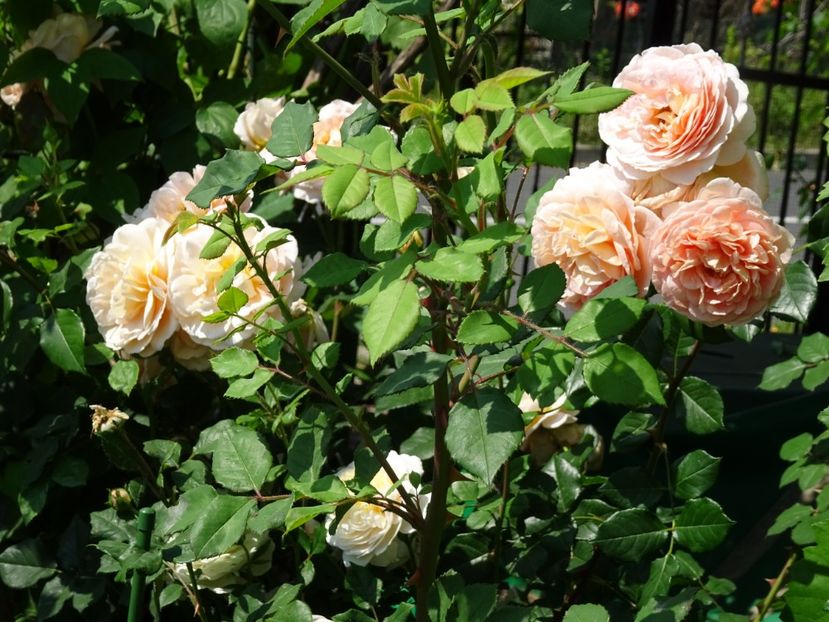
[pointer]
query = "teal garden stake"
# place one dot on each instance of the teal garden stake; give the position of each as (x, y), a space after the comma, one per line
(146, 521)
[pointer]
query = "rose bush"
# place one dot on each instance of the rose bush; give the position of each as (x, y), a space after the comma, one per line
(285, 312)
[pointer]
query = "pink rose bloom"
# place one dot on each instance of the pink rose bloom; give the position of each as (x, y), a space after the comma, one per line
(656, 193)
(590, 227)
(719, 259)
(689, 113)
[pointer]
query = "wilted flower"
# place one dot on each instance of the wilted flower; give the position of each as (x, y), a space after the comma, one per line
(554, 428)
(127, 288)
(689, 112)
(194, 293)
(326, 132)
(314, 331)
(590, 227)
(106, 420)
(720, 259)
(253, 556)
(11, 94)
(367, 533)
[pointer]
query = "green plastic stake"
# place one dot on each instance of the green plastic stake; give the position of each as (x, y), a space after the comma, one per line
(146, 521)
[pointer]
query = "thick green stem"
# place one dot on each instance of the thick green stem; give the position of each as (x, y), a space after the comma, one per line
(436, 48)
(239, 50)
(436, 517)
(324, 56)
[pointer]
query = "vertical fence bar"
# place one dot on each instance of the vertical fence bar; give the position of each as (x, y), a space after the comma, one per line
(764, 115)
(662, 24)
(804, 59)
(715, 25)
(683, 23)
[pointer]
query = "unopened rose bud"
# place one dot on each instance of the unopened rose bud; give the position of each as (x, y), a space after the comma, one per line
(120, 500)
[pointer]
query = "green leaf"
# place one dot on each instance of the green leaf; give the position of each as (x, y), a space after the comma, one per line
(592, 101)
(490, 95)
(452, 265)
(631, 535)
(31, 65)
(309, 446)
(221, 21)
(345, 188)
(560, 20)
(391, 235)
(242, 388)
(327, 489)
(270, 516)
(799, 293)
(332, 270)
(604, 318)
(807, 591)
(568, 480)
(326, 355)
(796, 448)
(662, 571)
(220, 526)
(232, 300)
(485, 327)
(816, 376)
(292, 132)
(541, 289)
(391, 271)
(485, 427)
(168, 453)
(241, 461)
(543, 141)
(499, 234)
(123, 376)
(618, 374)
(229, 175)
(566, 83)
(104, 64)
(271, 241)
(299, 515)
(216, 121)
(518, 75)
(701, 525)
(61, 338)
(234, 362)
(695, 474)
(360, 122)
(390, 318)
(463, 101)
(632, 431)
(395, 197)
(418, 370)
(470, 134)
(216, 245)
(700, 406)
(586, 613)
(22, 565)
(781, 375)
(309, 17)
(385, 156)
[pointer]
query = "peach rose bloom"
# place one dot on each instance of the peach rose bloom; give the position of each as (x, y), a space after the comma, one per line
(591, 228)
(689, 113)
(326, 132)
(656, 192)
(128, 289)
(193, 293)
(253, 126)
(168, 201)
(188, 353)
(720, 258)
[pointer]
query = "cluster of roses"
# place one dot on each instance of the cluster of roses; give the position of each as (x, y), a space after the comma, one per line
(146, 293)
(679, 204)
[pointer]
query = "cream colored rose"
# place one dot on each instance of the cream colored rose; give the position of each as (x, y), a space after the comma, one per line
(253, 556)
(193, 293)
(168, 201)
(656, 192)
(188, 353)
(590, 227)
(720, 259)
(689, 112)
(128, 289)
(326, 132)
(11, 94)
(67, 35)
(367, 533)
(554, 428)
(253, 126)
